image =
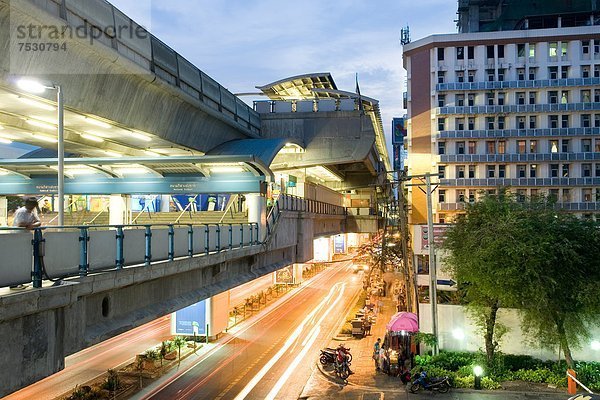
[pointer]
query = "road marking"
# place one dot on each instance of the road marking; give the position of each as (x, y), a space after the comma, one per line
(293, 337)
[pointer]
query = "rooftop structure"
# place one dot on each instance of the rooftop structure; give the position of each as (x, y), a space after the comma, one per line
(503, 15)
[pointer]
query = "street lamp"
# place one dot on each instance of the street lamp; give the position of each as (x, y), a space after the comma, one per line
(478, 372)
(36, 87)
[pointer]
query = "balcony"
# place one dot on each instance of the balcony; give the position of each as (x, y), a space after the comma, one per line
(504, 133)
(518, 108)
(587, 206)
(515, 158)
(540, 83)
(531, 182)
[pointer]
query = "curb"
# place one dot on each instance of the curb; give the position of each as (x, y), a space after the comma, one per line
(330, 377)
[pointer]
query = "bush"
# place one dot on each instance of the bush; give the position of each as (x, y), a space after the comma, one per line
(453, 361)
(489, 384)
(588, 373)
(515, 362)
(112, 382)
(464, 382)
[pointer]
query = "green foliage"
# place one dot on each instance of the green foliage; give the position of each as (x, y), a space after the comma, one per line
(464, 382)
(489, 384)
(85, 393)
(497, 252)
(112, 382)
(589, 374)
(152, 354)
(428, 339)
(453, 361)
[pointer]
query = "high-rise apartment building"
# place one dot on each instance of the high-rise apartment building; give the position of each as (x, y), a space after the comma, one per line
(517, 108)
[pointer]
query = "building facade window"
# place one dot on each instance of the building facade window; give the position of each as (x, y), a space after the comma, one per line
(586, 145)
(533, 146)
(490, 146)
(533, 168)
(501, 171)
(586, 170)
(521, 171)
(441, 196)
(460, 171)
(441, 76)
(441, 124)
(491, 171)
(472, 147)
(441, 100)
(565, 170)
(472, 171)
(440, 54)
(501, 147)
(553, 146)
(553, 170)
(441, 171)
(521, 146)
(471, 52)
(441, 148)
(460, 147)
(532, 122)
(460, 53)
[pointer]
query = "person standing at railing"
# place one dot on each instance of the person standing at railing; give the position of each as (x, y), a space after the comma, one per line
(26, 216)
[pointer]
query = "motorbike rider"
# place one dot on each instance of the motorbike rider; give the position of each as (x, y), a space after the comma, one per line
(342, 356)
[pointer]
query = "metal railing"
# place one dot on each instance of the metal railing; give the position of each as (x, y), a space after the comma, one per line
(491, 158)
(503, 133)
(516, 84)
(533, 182)
(68, 251)
(58, 252)
(518, 108)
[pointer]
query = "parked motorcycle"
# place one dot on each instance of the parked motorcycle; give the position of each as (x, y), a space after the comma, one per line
(328, 355)
(441, 385)
(342, 362)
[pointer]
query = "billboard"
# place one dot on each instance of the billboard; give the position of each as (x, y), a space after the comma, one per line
(398, 131)
(398, 157)
(190, 320)
(339, 244)
(439, 234)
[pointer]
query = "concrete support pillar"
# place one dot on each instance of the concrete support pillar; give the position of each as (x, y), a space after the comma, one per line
(257, 212)
(217, 314)
(3, 211)
(165, 201)
(119, 209)
(297, 271)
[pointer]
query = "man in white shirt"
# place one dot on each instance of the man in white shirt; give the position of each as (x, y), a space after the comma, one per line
(26, 216)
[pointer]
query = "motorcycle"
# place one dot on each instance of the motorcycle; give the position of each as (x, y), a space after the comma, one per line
(342, 362)
(441, 385)
(328, 355)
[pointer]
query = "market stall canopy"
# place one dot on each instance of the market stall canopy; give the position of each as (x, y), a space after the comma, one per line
(403, 321)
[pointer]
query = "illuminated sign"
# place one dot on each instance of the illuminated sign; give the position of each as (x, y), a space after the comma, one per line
(190, 320)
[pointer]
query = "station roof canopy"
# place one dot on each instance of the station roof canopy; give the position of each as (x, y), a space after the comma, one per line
(299, 87)
(263, 149)
(135, 175)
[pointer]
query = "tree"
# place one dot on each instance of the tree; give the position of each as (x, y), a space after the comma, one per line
(483, 256)
(179, 342)
(528, 255)
(560, 294)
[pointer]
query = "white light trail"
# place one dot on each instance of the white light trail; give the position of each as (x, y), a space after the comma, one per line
(254, 381)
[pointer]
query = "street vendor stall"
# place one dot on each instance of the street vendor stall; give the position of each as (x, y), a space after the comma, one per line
(399, 336)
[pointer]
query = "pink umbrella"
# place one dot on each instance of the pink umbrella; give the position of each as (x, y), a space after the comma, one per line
(403, 321)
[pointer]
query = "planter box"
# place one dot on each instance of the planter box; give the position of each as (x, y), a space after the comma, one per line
(171, 355)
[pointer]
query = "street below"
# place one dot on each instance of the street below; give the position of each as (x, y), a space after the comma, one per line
(273, 355)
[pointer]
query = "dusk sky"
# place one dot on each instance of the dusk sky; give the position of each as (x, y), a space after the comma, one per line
(243, 44)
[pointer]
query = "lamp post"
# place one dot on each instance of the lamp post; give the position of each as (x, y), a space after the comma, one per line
(32, 86)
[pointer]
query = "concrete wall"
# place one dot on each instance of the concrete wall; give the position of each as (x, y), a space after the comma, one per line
(454, 320)
(96, 80)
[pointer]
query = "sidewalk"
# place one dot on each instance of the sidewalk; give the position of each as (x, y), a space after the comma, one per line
(367, 383)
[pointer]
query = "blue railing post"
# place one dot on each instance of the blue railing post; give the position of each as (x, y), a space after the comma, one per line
(38, 253)
(257, 233)
(230, 236)
(171, 243)
(218, 237)
(190, 240)
(241, 236)
(84, 238)
(206, 239)
(148, 254)
(120, 261)
(251, 234)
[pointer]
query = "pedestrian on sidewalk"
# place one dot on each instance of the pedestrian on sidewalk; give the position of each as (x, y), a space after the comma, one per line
(379, 305)
(376, 348)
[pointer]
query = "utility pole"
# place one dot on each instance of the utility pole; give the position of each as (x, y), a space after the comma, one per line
(432, 264)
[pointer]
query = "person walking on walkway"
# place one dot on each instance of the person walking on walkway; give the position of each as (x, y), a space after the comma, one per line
(26, 216)
(376, 348)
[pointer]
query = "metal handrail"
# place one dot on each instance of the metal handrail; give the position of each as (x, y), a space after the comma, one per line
(231, 201)
(189, 204)
(64, 208)
(146, 207)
